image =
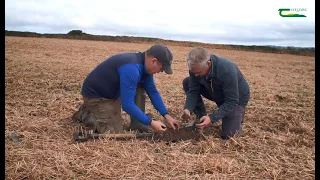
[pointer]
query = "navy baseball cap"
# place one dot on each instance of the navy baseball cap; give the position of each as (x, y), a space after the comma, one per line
(163, 55)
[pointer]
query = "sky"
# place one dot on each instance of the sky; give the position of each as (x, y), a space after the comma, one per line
(245, 22)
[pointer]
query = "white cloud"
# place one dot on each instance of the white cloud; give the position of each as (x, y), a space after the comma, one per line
(227, 21)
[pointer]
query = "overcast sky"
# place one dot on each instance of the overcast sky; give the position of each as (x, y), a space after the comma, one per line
(245, 22)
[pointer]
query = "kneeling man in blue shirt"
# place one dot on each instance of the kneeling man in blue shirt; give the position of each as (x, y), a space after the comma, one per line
(122, 80)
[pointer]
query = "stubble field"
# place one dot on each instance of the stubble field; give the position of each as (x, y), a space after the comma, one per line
(43, 79)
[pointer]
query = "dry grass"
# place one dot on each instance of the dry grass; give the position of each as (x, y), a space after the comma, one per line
(43, 79)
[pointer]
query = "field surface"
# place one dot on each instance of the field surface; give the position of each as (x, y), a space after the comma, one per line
(43, 79)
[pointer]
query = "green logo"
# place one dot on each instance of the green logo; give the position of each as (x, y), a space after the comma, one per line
(292, 15)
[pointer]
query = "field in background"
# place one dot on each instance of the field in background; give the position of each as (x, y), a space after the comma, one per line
(43, 79)
(79, 35)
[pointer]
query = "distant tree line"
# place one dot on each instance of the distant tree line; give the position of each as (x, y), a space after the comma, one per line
(79, 34)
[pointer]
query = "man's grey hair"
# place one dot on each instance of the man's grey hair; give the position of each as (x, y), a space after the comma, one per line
(199, 56)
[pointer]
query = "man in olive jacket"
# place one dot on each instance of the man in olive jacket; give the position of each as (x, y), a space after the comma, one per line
(220, 80)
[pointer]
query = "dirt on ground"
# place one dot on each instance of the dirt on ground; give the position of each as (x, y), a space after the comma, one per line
(43, 79)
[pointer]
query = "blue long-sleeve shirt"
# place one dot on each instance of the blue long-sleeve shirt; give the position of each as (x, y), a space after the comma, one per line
(118, 76)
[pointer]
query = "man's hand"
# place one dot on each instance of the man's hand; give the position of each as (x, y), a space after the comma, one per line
(186, 114)
(173, 123)
(158, 126)
(205, 121)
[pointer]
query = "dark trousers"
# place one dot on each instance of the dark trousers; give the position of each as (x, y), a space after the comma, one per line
(231, 124)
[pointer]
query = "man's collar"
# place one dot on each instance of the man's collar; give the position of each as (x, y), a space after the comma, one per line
(211, 70)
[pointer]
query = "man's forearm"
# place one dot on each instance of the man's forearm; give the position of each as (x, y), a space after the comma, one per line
(191, 102)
